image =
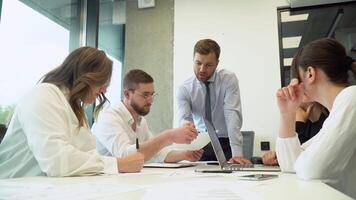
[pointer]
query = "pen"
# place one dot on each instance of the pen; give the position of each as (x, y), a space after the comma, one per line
(137, 144)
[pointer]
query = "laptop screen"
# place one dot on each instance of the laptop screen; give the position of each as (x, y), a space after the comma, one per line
(219, 153)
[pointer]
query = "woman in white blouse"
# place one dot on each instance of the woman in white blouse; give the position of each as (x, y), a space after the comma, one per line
(48, 134)
(322, 68)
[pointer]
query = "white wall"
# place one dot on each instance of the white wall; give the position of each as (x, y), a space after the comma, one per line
(247, 34)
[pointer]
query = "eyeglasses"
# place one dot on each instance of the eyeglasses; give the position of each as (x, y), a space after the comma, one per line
(147, 96)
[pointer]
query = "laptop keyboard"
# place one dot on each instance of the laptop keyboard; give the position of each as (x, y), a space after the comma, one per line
(231, 166)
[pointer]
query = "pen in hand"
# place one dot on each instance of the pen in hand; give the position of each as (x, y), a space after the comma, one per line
(137, 144)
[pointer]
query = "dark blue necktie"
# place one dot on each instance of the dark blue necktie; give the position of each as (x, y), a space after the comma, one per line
(207, 103)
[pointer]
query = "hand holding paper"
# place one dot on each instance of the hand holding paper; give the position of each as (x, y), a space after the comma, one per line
(184, 134)
(201, 141)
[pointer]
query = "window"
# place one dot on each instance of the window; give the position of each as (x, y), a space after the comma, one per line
(31, 45)
(36, 36)
(111, 40)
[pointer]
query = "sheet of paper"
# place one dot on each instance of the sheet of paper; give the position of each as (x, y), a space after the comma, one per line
(89, 189)
(203, 190)
(200, 142)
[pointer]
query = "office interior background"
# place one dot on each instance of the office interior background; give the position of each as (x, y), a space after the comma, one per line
(257, 38)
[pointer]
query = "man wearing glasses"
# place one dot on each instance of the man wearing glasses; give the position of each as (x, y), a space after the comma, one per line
(122, 130)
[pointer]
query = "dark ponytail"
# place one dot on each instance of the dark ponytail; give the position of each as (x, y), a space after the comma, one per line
(328, 55)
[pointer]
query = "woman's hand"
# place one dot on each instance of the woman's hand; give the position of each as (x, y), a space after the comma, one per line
(290, 97)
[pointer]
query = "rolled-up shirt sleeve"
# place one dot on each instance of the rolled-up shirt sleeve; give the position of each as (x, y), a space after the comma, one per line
(162, 154)
(110, 165)
(184, 106)
(288, 150)
(233, 115)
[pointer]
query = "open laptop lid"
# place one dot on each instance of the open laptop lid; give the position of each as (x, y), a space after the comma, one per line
(219, 153)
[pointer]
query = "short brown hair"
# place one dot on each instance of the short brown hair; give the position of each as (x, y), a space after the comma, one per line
(206, 46)
(135, 77)
(84, 68)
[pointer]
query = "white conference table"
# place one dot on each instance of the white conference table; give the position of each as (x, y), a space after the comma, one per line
(155, 183)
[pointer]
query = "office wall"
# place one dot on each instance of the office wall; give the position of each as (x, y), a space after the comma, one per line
(247, 34)
(149, 46)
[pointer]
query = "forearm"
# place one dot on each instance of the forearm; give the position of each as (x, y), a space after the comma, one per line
(234, 123)
(174, 156)
(184, 111)
(287, 125)
(151, 147)
(236, 149)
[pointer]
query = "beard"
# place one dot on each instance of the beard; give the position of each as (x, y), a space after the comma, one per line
(143, 111)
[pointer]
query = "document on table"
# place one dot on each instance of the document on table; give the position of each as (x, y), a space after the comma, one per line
(200, 142)
(201, 190)
(99, 187)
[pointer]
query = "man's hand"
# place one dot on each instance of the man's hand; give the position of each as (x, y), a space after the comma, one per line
(270, 158)
(184, 135)
(193, 155)
(131, 163)
(239, 160)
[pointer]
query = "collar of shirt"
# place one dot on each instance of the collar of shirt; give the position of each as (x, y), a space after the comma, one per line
(210, 80)
(127, 115)
(65, 92)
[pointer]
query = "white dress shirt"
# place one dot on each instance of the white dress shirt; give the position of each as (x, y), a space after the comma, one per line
(331, 154)
(43, 138)
(225, 106)
(115, 137)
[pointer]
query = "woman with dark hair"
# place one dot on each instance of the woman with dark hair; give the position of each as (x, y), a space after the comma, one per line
(322, 68)
(48, 134)
(309, 119)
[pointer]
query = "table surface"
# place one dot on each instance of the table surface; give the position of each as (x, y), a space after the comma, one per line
(158, 183)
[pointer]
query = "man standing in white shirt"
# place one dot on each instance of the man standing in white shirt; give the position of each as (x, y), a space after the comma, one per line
(118, 127)
(215, 95)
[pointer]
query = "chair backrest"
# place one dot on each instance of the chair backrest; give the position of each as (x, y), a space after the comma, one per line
(2, 131)
(248, 143)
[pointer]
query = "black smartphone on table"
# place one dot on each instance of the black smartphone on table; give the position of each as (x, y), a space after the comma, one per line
(258, 177)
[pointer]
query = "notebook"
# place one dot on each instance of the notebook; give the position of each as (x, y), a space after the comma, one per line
(224, 165)
(168, 165)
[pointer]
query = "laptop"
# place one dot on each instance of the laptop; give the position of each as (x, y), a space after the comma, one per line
(219, 153)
